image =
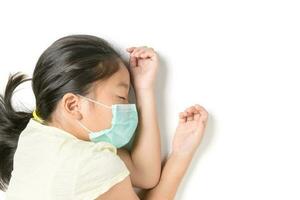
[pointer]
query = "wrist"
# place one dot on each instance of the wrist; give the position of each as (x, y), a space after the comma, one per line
(144, 93)
(141, 86)
(181, 156)
(179, 162)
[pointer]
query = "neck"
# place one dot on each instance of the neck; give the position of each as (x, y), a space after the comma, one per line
(73, 129)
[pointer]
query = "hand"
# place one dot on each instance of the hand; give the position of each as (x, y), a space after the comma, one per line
(190, 129)
(143, 67)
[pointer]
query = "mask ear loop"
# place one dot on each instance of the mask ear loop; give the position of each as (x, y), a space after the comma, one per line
(85, 128)
(109, 107)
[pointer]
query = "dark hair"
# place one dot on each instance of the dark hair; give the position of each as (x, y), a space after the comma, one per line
(70, 64)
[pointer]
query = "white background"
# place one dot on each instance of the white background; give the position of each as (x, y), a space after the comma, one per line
(239, 59)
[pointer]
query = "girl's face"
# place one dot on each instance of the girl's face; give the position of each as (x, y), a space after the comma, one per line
(95, 117)
(112, 91)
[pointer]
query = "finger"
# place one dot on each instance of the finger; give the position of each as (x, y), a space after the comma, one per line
(195, 110)
(144, 52)
(190, 114)
(191, 110)
(197, 115)
(202, 122)
(200, 108)
(191, 118)
(182, 117)
(141, 50)
(147, 54)
(133, 51)
(133, 61)
(185, 114)
(137, 52)
(187, 110)
(203, 115)
(130, 49)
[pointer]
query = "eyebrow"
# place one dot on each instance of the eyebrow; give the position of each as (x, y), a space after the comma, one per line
(123, 84)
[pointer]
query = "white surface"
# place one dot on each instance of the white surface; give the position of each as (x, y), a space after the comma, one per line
(238, 59)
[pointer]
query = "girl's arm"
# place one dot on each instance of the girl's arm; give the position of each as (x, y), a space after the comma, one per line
(146, 152)
(189, 133)
(172, 174)
(144, 160)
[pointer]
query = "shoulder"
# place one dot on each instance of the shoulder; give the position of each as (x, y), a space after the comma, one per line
(88, 148)
(102, 156)
(99, 168)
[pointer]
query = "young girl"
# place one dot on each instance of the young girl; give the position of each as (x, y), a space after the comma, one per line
(72, 145)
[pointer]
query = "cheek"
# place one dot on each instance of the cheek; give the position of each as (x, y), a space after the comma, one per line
(101, 119)
(106, 118)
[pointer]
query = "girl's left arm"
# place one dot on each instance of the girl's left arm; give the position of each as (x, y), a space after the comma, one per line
(144, 160)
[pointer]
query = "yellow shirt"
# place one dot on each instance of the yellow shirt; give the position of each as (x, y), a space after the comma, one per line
(50, 163)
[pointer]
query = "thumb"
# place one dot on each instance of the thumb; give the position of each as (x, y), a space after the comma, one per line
(133, 61)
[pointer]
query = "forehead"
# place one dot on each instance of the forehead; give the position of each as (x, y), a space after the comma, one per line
(121, 78)
(118, 81)
(124, 85)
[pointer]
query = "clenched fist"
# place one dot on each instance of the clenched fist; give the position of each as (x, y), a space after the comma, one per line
(190, 129)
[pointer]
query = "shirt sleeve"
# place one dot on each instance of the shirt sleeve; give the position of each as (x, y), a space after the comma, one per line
(99, 169)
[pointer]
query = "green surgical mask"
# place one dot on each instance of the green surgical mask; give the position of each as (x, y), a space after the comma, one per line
(123, 125)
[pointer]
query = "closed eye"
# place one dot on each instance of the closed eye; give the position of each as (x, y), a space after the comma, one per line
(122, 97)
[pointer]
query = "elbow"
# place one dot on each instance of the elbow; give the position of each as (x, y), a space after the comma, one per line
(151, 181)
(149, 184)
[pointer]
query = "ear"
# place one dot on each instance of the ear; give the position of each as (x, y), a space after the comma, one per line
(71, 105)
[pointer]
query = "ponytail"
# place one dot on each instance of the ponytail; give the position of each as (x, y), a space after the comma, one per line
(12, 123)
